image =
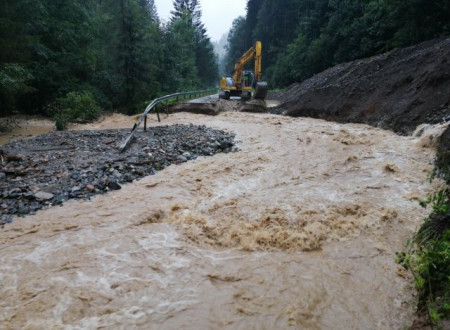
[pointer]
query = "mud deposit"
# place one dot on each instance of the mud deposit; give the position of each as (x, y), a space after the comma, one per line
(298, 230)
(398, 90)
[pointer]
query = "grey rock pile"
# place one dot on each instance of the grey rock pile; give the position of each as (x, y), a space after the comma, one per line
(53, 168)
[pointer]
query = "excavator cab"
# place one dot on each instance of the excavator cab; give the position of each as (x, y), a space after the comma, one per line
(248, 79)
(227, 85)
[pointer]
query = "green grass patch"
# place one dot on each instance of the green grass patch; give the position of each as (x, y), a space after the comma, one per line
(428, 258)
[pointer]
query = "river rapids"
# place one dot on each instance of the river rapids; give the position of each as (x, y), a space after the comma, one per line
(297, 230)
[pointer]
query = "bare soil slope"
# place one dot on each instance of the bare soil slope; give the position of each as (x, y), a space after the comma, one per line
(398, 90)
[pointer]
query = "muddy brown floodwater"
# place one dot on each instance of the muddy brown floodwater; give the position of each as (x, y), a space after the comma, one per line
(21, 127)
(298, 230)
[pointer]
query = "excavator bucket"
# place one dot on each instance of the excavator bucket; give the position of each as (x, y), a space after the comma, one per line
(261, 90)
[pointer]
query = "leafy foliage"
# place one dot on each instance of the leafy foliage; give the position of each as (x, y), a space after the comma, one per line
(237, 45)
(428, 254)
(118, 51)
(190, 61)
(74, 107)
(14, 80)
(428, 257)
(180, 64)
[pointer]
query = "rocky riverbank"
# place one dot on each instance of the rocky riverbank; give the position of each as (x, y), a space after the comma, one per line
(53, 168)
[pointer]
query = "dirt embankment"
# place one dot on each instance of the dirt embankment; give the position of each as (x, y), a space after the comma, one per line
(443, 155)
(398, 90)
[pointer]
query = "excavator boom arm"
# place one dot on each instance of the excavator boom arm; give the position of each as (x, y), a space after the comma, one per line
(252, 53)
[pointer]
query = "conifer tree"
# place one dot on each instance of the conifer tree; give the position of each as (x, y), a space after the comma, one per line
(192, 7)
(187, 13)
(303, 37)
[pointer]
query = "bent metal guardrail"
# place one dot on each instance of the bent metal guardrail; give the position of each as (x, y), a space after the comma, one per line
(154, 104)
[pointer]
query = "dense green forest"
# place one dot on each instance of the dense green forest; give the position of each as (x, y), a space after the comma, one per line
(110, 54)
(304, 37)
(118, 55)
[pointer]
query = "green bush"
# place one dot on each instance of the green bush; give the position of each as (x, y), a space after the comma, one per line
(74, 108)
(61, 121)
(428, 258)
(80, 107)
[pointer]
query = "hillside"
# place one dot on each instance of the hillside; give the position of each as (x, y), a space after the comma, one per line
(398, 90)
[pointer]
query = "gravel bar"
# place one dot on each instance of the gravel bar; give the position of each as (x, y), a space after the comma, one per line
(50, 169)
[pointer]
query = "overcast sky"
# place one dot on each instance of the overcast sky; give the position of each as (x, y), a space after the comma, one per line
(217, 15)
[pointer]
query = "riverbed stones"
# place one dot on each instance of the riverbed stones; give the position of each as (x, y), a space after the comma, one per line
(113, 185)
(127, 177)
(43, 196)
(59, 166)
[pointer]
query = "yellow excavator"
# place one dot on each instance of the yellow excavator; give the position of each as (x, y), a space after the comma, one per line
(244, 82)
